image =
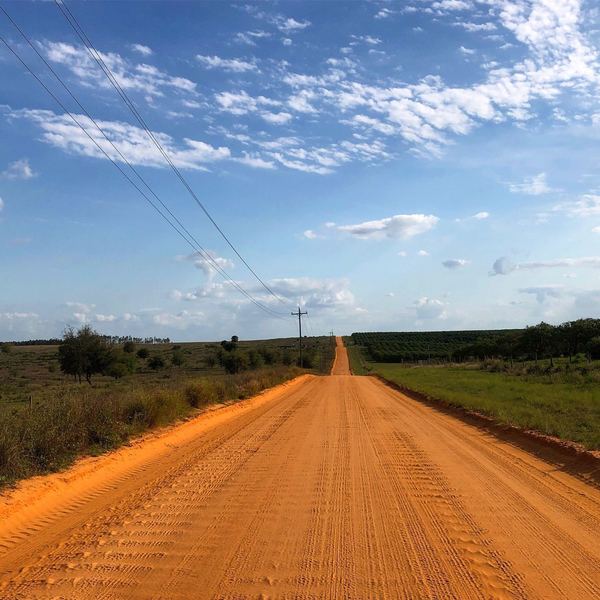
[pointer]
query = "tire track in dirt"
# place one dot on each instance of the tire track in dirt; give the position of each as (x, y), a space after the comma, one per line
(332, 487)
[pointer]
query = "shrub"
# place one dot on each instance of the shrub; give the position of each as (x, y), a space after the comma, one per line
(202, 392)
(143, 353)
(129, 347)
(156, 363)
(5, 348)
(234, 362)
(178, 359)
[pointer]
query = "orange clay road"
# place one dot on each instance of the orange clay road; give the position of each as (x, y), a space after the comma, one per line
(327, 487)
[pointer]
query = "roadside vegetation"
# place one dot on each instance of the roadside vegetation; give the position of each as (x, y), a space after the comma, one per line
(88, 394)
(544, 378)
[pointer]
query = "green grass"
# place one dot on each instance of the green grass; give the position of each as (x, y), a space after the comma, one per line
(358, 366)
(567, 407)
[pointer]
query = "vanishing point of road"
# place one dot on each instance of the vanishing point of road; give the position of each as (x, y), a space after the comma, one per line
(326, 487)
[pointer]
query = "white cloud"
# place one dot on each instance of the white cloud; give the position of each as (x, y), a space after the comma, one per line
(430, 308)
(290, 25)
(235, 65)
(532, 186)
(105, 318)
(133, 142)
(180, 320)
(455, 263)
(588, 205)
(279, 118)
(1, 204)
(467, 51)
(256, 162)
(384, 13)
(19, 169)
(422, 253)
(480, 216)
(141, 49)
(250, 37)
(137, 77)
(596, 229)
(403, 253)
(206, 262)
(503, 266)
(286, 41)
(310, 234)
(398, 226)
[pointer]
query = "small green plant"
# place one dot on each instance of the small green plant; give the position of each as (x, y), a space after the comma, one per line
(143, 353)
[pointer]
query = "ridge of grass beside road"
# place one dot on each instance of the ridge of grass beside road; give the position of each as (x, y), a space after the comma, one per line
(49, 435)
(563, 405)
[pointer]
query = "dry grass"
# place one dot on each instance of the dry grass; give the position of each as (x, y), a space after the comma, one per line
(50, 434)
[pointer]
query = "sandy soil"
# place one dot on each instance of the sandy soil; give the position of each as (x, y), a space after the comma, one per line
(331, 487)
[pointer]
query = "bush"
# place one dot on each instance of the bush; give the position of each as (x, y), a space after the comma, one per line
(593, 348)
(129, 347)
(143, 353)
(156, 363)
(202, 392)
(178, 359)
(234, 362)
(5, 348)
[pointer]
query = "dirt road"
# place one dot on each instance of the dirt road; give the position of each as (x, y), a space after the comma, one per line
(332, 487)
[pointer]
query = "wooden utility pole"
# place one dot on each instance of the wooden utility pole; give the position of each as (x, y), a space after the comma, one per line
(299, 315)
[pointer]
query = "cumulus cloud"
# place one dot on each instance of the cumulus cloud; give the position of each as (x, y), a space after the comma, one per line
(398, 226)
(422, 253)
(19, 169)
(234, 65)
(1, 205)
(208, 262)
(430, 308)
(532, 186)
(310, 234)
(141, 49)
(455, 263)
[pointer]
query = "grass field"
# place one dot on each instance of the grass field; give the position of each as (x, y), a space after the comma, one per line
(33, 371)
(562, 403)
(47, 419)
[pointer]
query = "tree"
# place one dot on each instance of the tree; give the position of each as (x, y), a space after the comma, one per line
(593, 348)
(143, 353)
(235, 339)
(129, 347)
(84, 353)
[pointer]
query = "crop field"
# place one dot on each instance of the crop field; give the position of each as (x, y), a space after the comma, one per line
(415, 346)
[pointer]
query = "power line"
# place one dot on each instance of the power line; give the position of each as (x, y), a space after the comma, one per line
(97, 57)
(191, 240)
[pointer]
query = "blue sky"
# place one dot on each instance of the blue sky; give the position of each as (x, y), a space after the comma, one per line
(412, 165)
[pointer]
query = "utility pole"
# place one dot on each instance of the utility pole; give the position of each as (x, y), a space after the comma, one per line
(299, 315)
